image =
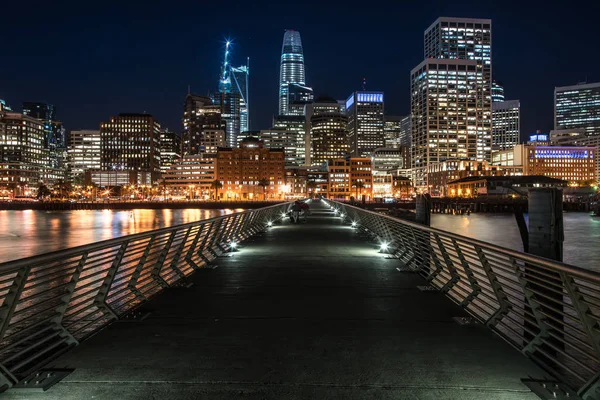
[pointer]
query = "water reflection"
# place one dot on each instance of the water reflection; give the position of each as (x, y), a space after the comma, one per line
(26, 233)
(582, 233)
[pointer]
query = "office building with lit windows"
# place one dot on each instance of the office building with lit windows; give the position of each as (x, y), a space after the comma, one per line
(170, 149)
(291, 69)
(55, 139)
(291, 141)
(578, 106)
(328, 131)
(295, 126)
(506, 124)
(350, 177)
(365, 111)
(131, 142)
(392, 130)
(200, 114)
(191, 177)
(497, 92)
(83, 152)
(467, 39)
(445, 114)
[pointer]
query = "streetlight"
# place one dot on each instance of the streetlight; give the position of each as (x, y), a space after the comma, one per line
(383, 247)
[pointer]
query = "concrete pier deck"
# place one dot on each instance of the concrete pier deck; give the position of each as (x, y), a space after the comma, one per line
(301, 311)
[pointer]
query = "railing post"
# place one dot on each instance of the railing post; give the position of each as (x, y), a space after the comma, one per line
(473, 283)
(192, 249)
(132, 285)
(504, 304)
(6, 311)
(100, 300)
(178, 252)
(205, 244)
(161, 260)
(454, 277)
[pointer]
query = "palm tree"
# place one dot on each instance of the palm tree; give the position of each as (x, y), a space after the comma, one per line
(264, 182)
(311, 185)
(358, 185)
(216, 184)
(43, 191)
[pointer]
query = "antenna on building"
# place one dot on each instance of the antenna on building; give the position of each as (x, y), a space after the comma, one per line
(364, 84)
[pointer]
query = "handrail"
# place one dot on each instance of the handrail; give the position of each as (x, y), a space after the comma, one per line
(548, 310)
(51, 302)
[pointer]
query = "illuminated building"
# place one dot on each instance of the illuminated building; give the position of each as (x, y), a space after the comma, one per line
(291, 69)
(328, 131)
(239, 84)
(578, 106)
(55, 141)
(131, 142)
(84, 152)
(383, 185)
(199, 114)
(576, 137)
(241, 169)
(4, 107)
(392, 131)
(506, 124)
(319, 179)
(22, 152)
(211, 140)
(170, 149)
(469, 40)
(365, 122)
(571, 163)
(500, 186)
(386, 159)
(347, 175)
(295, 125)
(441, 173)
(497, 92)
(291, 141)
(191, 176)
(296, 182)
(446, 121)
(298, 97)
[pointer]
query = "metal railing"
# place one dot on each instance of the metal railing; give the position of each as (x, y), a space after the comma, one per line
(50, 302)
(548, 310)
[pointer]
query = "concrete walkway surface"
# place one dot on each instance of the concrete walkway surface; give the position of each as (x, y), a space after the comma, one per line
(301, 311)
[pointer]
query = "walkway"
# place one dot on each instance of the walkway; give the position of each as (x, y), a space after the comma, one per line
(309, 311)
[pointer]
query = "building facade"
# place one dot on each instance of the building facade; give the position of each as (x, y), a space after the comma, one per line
(350, 177)
(84, 152)
(191, 177)
(55, 138)
(578, 106)
(447, 120)
(287, 140)
(241, 170)
(506, 124)
(295, 125)
(328, 132)
(387, 159)
(199, 114)
(170, 149)
(392, 131)
(497, 92)
(131, 142)
(291, 68)
(365, 111)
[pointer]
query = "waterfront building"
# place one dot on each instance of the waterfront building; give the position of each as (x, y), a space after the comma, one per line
(350, 177)
(108, 180)
(506, 124)
(241, 170)
(170, 149)
(131, 142)
(497, 92)
(462, 48)
(387, 159)
(446, 121)
(501, 186)
(328, 135)
(365, 111)
(441, 173)
(296, 179)
(191, 177)
(83, 152)
(383, 185)
(291, 68)
(199, 115)
(55, 138)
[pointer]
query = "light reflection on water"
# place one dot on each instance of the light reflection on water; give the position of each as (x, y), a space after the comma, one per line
(26, 233)
(582, 233)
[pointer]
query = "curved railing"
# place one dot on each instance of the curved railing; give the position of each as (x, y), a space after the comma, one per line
(548, 310)
(50, 302)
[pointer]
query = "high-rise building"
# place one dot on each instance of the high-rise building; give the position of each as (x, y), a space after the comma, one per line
(291, 69)
(295, 126)
(365, 112)
(191, 177)
(506, 124)
(406, 131)
(328, 131)
(83, 152)
(286, 140)
(444, 98)
(4, 106)
(387, 159)
(350, 177)
(497, 92)
(392, 130)
(55, 141)
(199, 115)
(239, 85)
(467, 39)
(578, 106)
(170, 149)
(298, 97)
(131, 142)
(241, 170)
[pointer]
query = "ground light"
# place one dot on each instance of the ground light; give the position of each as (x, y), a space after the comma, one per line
(383, 247)
(342, 215)
(283, 215)
(233, 245)
(354, 224)
(269, 224)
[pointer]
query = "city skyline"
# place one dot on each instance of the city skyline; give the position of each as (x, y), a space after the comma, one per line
(86, 86)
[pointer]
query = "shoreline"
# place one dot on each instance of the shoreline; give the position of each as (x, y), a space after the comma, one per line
(119, 205)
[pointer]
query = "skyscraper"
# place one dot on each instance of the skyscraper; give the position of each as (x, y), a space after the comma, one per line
(170, 149)
(392, 130)
(578, 106)
(365, 122)
(328, 131)
(467, 39)
(497, 92)
(55, 141)
(506, 124)
(295, 129)
(292, 68)
(199, 115)
(239, 85)
(84, 152)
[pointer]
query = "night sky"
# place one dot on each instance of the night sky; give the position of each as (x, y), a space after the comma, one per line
(96, 59)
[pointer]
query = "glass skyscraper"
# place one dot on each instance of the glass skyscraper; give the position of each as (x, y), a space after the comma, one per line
(365, 123)
(239, 84)
(506, 124)
(578, 106)
(292, 68)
